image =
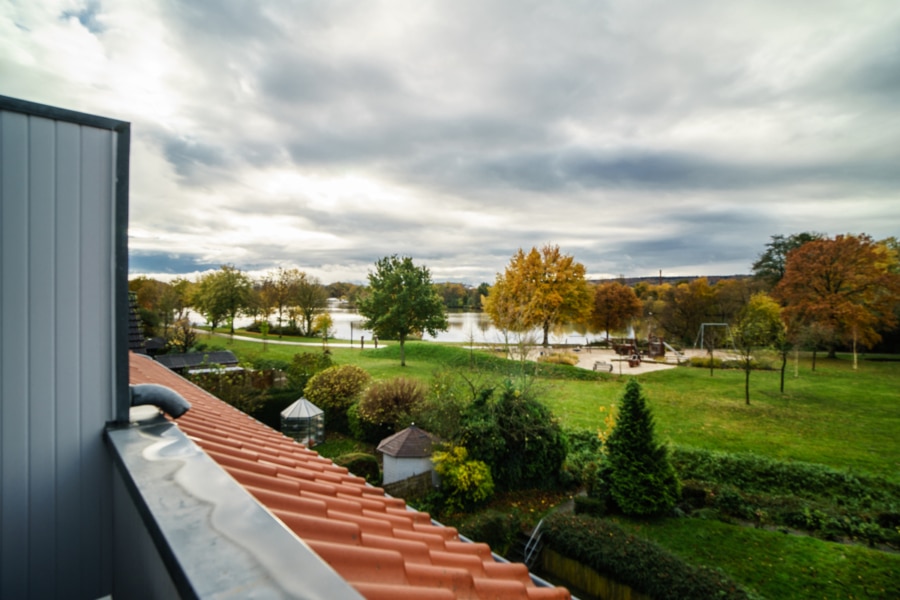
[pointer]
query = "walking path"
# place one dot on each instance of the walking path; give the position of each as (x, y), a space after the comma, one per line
(247, 338)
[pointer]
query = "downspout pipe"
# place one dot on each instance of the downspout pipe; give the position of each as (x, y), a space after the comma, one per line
(167, 400)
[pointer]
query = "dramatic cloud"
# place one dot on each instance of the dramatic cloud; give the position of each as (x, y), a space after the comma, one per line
(638, 136)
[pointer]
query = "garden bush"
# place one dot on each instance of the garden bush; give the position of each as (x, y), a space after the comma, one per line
(361, 464)
(560, 358)
(364, 431)
(334, 390)
(499, 530)
(814, 498)
(304, 365)
(643, 565)
(390, 404)
(517, 437)
(755, 473)
(583, 454)
(466, 483)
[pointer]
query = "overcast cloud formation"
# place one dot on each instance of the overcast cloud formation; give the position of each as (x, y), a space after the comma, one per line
(638, 136)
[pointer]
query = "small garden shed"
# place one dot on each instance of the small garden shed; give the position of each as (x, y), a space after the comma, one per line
(407, 453)
(305, 422)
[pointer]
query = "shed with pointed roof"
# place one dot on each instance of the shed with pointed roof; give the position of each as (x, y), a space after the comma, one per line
(407, 453)
(304, 421)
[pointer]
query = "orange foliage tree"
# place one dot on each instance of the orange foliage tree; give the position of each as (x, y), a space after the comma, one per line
(539, 289)
(847, 286)
(614, 305)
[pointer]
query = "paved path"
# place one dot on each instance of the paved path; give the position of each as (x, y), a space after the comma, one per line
(247, 338)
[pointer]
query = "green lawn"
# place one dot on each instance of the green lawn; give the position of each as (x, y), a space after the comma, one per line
(835, 416)
(778, 565)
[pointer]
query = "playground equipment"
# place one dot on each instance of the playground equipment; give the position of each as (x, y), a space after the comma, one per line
(701, 335)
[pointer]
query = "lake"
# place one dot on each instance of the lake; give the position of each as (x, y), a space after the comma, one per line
(464, 327)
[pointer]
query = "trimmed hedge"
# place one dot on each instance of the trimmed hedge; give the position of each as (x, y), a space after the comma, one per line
(825, 502)
(640, 564)
(497, 529)
(755, 473)
(362, 465)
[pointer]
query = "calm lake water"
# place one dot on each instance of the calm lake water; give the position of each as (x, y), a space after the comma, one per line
(464, 327)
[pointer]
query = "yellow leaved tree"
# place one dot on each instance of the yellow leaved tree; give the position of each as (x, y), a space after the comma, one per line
(539, 289)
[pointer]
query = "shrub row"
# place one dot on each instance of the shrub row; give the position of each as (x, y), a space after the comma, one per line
(823, 501)
(755, 473)
(643, 565)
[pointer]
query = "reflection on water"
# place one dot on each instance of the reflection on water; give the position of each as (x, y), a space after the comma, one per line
(464, 327)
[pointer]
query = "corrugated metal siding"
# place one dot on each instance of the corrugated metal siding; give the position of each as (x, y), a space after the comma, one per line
(58, 333)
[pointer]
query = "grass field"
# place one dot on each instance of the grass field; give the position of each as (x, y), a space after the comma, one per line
(835, 416)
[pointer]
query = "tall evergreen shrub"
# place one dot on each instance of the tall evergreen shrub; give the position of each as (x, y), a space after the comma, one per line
(640, 478)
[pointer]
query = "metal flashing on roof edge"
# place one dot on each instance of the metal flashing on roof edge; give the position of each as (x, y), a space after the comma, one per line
(219, 541)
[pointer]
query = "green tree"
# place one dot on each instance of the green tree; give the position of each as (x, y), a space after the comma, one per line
(770, 266)
(759, 325)
(543, 288)
(402, 301)
(615, 304)
(223, 294)
(640, 478)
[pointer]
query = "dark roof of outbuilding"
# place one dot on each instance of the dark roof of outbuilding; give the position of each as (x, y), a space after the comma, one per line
(196, 359)
(412, 442)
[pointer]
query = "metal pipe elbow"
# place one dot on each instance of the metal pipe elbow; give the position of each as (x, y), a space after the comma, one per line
(166, 399)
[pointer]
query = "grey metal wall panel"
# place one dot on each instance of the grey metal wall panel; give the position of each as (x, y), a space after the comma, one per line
(59, 356)
(14, 543)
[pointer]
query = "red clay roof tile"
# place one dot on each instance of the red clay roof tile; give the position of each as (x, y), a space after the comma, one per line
(379, 545)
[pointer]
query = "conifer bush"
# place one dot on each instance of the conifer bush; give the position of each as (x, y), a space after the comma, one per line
(640, 477)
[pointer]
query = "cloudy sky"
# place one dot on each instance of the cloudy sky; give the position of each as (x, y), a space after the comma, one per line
(639, 136)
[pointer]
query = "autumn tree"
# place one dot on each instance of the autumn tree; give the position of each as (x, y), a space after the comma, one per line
(540, 289)
(402, 301)
(848, 286)
(277, 289)
(615, 304)
(685, 307)
(758, 326)
(770, 266)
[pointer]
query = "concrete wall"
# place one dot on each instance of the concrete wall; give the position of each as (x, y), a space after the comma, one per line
(63, 362)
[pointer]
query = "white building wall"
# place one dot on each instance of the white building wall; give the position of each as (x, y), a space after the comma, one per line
(63, 268)
(398, 469)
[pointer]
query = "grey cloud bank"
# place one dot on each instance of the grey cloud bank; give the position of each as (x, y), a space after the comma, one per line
(637, 136)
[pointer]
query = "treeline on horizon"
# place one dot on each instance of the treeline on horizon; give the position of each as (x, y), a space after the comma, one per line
(673, 307)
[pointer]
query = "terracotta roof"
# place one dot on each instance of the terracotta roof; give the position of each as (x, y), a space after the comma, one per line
(412, 442)
(380, 546)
